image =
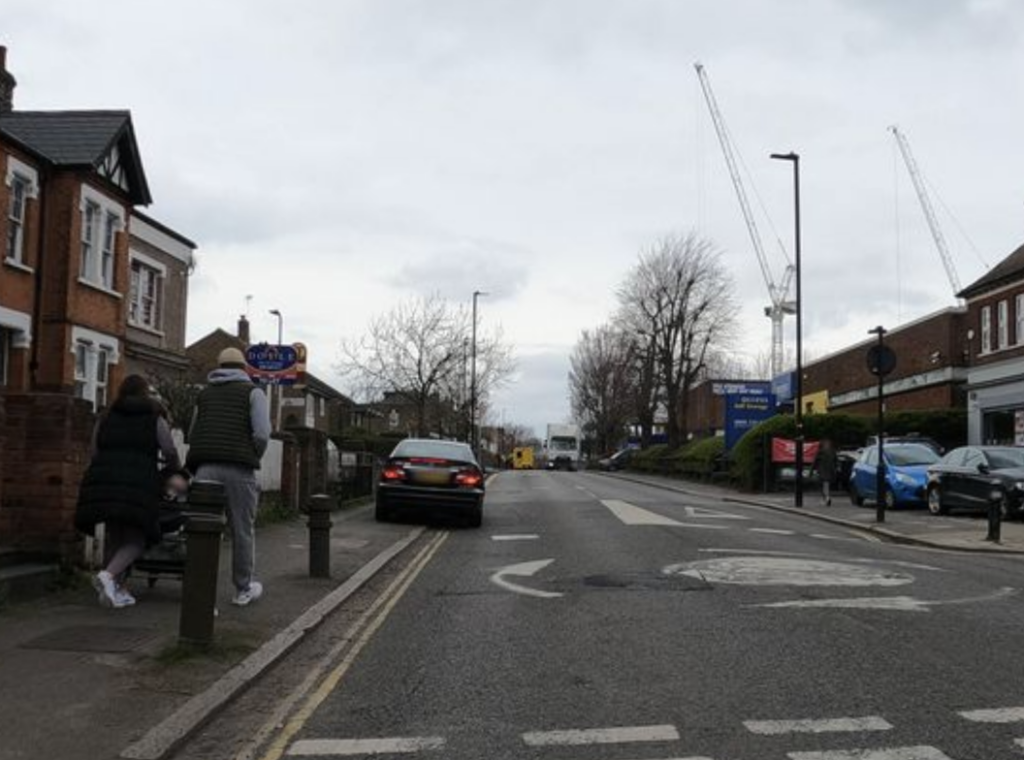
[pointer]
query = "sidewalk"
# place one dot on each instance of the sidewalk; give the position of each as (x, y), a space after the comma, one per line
(81, 681)
(963, 532)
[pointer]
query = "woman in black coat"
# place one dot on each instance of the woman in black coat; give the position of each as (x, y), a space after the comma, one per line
(122, 485)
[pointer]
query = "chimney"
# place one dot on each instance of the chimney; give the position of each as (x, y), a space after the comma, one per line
(7, 84)
(243, 329)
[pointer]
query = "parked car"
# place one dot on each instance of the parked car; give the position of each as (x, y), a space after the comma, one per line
(972, 477)
(617, 461)
(906, 474)
(429, 476)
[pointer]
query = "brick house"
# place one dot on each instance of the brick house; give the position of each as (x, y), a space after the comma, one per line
(995, 341)
(75, 312)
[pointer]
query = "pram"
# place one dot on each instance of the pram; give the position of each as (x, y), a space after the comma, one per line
(166, 559)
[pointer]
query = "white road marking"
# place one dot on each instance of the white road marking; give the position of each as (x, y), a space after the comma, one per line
(516, 537)
(630, 514)
(787, 571)
(773, 531)
(894, 603)
(832, 538)
(702, 512)
(525, 570)
(1002, 715)
(619, 735)
(344, 747)
(891, 753)
(817, 726)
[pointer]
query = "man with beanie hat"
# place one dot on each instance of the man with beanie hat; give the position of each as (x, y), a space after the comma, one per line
(230, 431)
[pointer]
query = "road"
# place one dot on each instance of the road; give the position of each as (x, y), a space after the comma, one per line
(594, 618)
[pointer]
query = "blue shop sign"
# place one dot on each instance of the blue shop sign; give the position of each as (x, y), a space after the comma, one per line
(743, 411)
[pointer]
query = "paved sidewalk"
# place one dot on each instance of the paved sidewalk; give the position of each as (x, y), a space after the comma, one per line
(79, 681)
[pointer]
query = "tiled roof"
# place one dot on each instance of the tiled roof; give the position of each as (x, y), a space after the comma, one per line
(78, 139)
(1010, 269)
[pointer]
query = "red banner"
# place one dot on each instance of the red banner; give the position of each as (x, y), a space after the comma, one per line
(784, 451)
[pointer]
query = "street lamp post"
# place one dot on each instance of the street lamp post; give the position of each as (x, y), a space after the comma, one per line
(798, 487)
(474, 441)
(280, 340)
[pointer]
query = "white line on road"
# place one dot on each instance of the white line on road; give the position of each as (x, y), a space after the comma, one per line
(773, 531)
(631, 514)
(819, 726)
(524, 570)
(891, 753)
(516, 537)
(345, 747)
(619, 735)
(894, 603)
(1001, 715)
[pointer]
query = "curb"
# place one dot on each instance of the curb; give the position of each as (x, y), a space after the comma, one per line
(168, 734)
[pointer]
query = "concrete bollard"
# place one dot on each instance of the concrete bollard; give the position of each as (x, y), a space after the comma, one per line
(995, 516)
(319, 536)
(205, 510)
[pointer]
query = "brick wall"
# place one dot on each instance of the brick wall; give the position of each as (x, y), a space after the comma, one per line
(45, 451)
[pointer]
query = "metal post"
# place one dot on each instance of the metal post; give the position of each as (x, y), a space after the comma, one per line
(995, 517)
(798, 492)
(319, 524)
(880, 478)
(474, 434)
(205, 510)
(280, 390)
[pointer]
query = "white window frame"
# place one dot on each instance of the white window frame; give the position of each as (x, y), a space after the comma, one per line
(94, 353)
(1019, 314)
(102, 219)
(5, 354)
(22, 182)
(1003, 324)
(986, 329)
(143, 267)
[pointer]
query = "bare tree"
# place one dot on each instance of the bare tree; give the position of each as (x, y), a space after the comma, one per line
(678, 300)
(418, 350)
(601, 384)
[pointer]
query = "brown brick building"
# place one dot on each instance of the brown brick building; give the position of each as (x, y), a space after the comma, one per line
(90, 289)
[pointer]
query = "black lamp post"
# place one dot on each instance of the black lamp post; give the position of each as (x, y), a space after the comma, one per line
(280, 340)
(798, 416)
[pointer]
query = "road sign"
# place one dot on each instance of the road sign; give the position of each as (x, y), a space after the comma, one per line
(881, 360)
(276, 364)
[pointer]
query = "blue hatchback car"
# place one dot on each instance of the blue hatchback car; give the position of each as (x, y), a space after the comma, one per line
(906, 474)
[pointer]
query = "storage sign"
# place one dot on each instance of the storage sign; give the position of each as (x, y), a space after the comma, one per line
(276, 365)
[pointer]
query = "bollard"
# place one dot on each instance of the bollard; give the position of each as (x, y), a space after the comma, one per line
(205, 510)
(319, 536)
(995, 516)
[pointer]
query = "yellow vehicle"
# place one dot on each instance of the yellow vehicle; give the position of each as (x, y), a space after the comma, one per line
(522, 458)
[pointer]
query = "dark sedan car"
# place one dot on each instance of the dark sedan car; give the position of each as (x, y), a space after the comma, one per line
(429, 476)
(972, 477)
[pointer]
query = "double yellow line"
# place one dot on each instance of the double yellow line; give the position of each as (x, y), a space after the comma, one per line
(354, 640)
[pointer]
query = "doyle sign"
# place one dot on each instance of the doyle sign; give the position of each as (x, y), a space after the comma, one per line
(746, 404)
(276, 365)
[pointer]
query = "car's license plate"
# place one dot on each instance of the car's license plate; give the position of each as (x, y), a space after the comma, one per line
(431, 477)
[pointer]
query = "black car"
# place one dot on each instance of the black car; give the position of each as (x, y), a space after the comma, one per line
(430, 476)
(617, 461)
(972, 477)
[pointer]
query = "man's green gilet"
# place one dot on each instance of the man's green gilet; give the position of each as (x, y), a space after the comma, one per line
(222, 433)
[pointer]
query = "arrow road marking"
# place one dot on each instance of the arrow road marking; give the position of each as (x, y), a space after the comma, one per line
(630, 514)
(896, 603)
(524, 570)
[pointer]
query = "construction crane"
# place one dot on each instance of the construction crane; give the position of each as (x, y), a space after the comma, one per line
(777, 293)
(926, 206)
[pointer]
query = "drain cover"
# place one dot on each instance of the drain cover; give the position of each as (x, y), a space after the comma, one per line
(92, 638)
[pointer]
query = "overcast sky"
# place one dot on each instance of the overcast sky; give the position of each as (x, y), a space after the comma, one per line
(331, 159)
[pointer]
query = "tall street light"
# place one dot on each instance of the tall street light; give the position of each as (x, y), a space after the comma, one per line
(473, 435)
(280, 340)
(798, 486)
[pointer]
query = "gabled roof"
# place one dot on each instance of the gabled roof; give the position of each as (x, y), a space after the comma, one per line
(1010, 269)
(81, 139)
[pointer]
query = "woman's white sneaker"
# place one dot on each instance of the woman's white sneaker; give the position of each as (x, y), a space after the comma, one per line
(251, 594)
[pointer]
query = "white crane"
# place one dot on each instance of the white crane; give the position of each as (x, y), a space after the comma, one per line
(926, 206)
(778, 293)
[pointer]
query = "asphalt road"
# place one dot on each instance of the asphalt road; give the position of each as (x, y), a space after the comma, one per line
(597, 619)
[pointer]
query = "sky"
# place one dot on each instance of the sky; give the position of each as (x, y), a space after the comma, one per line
(333, 159)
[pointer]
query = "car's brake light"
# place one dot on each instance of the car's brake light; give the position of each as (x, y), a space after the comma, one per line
(392, 472)
(468, 478)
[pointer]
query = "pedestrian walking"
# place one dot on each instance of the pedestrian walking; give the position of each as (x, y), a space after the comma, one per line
(825, 464)
(230, 431)
(122, 486)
